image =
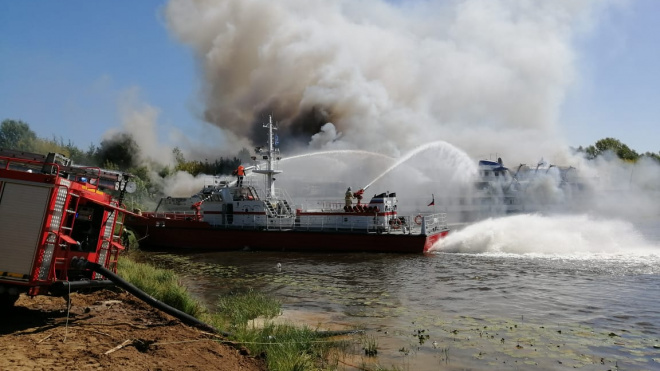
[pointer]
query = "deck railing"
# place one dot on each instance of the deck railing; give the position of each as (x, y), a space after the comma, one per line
(412, 225)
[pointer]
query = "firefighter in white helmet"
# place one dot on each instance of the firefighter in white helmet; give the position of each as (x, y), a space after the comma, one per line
(348, 198)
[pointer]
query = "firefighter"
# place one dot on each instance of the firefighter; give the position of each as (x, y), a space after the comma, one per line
(240, 173)
(358, 195)
(348, 198)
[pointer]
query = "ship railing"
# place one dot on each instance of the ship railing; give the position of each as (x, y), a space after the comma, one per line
(325, 205)
(405, 224)
(398, 225)
(320, 224)
(257, 222)
(431, 223)
(179, 215)
(281, 223)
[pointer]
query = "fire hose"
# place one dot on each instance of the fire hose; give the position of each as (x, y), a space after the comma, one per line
(82, 263)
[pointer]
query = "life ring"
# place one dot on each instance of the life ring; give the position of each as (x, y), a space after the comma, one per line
(418, 219)
(395, 223)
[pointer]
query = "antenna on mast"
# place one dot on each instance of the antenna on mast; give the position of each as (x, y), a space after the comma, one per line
(270, 155)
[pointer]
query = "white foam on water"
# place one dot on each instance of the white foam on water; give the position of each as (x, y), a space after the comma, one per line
(567, 236)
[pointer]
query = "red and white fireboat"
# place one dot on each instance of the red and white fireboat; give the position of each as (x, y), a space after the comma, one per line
(232, 216)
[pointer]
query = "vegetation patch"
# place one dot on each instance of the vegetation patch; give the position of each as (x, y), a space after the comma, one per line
(284, 347)
(161, 284)
(242, 307)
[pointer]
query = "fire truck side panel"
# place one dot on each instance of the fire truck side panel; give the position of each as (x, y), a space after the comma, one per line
(23, 209)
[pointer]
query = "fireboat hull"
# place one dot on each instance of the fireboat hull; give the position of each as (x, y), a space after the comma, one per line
(183, 234)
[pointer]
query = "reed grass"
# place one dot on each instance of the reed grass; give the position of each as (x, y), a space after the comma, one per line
(286, 347)
(161, 284)
(370, 345)
(242, 307)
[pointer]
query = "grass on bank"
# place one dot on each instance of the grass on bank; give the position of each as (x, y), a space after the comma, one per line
(286, 347)
(161, 284)
(240, 308)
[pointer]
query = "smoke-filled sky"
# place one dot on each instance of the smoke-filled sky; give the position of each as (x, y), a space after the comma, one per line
(517, 78)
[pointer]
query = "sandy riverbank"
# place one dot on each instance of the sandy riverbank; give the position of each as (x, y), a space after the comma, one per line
(109, 330)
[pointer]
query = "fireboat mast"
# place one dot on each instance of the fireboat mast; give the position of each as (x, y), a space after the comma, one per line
(270, 156)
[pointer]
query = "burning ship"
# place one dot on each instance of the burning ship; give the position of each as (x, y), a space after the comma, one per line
(229, 215)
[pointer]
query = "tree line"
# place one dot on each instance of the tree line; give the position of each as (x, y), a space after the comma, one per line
(120, 153)
(615, 146)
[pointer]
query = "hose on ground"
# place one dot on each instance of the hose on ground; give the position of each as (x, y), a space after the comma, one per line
(82, 263)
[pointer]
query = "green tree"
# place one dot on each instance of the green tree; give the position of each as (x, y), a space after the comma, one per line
(77, 155)
(17, 135)
(614, 145)
(178, 156)
(655, 156)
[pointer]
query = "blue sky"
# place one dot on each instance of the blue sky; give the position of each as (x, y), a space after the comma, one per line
(65, 66)
(618, 90)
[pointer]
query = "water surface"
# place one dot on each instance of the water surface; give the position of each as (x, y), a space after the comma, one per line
(524, 292)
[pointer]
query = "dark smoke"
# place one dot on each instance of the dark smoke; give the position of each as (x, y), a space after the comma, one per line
(486, 76)
(120, 149)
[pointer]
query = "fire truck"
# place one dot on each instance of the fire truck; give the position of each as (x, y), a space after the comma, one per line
(53, 213)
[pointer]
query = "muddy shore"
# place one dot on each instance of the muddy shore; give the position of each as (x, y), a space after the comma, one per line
(109, 330)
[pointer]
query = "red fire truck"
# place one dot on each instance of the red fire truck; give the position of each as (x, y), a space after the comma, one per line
(53, 212)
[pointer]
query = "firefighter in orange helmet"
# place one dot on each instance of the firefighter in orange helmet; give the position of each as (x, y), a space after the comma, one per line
(358, 195)
(240, 173)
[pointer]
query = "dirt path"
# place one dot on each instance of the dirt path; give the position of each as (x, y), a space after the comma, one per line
(108, 330)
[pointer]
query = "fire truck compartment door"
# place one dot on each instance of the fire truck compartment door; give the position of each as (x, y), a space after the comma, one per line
(22, 213)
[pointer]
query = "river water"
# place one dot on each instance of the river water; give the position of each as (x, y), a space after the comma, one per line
(520, 292)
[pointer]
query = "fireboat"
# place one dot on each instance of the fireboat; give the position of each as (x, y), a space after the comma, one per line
(229, 215)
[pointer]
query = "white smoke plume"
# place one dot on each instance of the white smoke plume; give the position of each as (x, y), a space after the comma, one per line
(156, 139)
(182, 184)
(623, 189)
(141, 121)
(484, 75)
(480, 76)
